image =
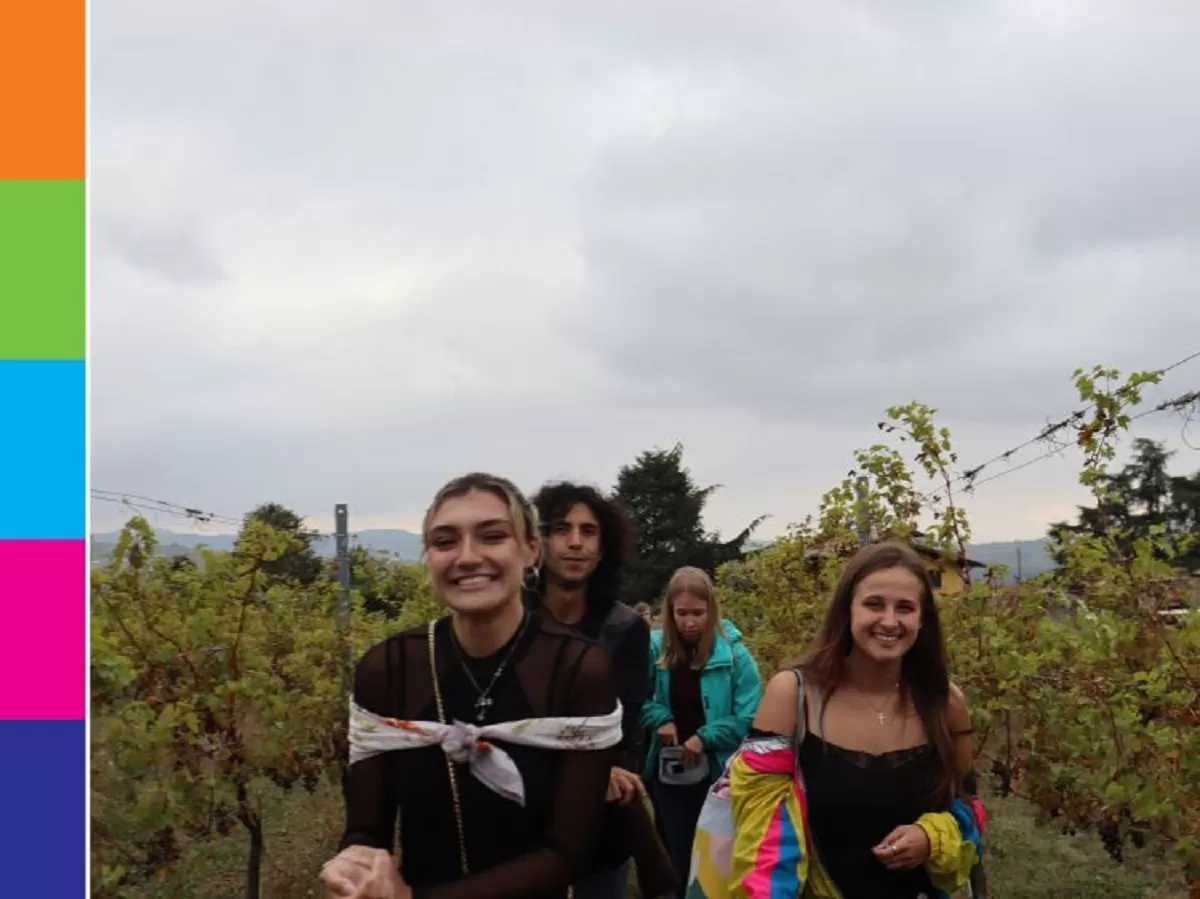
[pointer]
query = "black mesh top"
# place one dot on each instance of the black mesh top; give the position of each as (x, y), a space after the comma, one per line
(535, 851)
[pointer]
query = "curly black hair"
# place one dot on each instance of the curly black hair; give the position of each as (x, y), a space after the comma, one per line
(617, 536)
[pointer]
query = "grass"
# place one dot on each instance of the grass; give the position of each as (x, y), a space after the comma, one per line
(1024, 861)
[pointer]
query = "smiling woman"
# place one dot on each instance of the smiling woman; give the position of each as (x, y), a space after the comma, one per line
(881, 741)
(480, 539)
(508, 804)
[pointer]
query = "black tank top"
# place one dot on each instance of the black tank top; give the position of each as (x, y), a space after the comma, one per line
(855, 799)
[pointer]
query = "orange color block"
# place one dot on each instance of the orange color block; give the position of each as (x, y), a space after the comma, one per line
(43, 89)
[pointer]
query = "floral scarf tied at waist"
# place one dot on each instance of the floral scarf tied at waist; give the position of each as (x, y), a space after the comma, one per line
(372, 735)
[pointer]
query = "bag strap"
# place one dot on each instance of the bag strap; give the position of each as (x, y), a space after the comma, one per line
(454, 794)
(801, 710)
(800, 732)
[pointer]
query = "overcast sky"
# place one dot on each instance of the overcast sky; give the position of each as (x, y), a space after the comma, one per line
(344, 251)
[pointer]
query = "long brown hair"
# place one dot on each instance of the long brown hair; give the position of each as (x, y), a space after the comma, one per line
(924, 670)
(691, 582)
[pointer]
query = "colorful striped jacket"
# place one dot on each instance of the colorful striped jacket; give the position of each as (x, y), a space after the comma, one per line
(772, 852)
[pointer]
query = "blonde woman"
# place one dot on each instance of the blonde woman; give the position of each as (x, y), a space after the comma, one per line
(489, 733)
(706, 688)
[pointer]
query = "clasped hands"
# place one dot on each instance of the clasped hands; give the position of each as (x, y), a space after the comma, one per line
(361, 872)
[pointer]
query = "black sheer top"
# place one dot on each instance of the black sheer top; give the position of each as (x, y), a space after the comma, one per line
(534, 851)
(855, 799)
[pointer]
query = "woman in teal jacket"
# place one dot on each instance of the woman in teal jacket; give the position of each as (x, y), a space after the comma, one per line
(705, 691)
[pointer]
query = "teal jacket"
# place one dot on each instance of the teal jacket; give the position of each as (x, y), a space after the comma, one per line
(730, 687)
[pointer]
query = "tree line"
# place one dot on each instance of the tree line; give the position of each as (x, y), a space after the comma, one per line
(667, 506)
(657, 490)
(1138, 499)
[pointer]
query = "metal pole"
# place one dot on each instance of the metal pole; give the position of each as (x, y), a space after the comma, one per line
(864, 522)
(342, 548)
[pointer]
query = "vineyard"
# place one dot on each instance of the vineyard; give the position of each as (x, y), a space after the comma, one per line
(218, 686)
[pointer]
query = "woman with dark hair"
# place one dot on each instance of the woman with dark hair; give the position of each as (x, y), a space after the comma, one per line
(851, 781)
(490, 732)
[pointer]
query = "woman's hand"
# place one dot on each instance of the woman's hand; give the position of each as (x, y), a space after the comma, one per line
(693, 748)
(343, 874)
(360, 872)
(624, 786)
(905, 847)
(668, 735)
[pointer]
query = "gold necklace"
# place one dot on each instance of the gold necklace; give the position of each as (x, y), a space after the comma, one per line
(879, 710)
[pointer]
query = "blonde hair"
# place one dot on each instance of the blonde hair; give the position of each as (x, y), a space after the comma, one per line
(521, 512)
(695, 582)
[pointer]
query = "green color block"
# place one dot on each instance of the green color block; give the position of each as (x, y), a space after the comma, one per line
(43, 270)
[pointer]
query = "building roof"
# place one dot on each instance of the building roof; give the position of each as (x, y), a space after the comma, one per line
(931, 552)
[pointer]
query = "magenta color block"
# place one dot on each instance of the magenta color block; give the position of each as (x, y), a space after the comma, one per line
(43, 629)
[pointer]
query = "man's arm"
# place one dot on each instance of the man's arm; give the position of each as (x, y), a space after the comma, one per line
(629, 678)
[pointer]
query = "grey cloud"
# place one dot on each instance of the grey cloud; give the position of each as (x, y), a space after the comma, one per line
(344, 252)
(906, 237)
(175, 251)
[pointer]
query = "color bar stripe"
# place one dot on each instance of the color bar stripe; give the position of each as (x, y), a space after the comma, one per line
(43, 235)
(43, 89)
(43, 644)
(43, 453)
(43, 831)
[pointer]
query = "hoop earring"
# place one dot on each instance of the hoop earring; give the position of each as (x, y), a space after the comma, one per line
(531, 579)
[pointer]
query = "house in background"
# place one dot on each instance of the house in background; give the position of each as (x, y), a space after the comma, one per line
(948, 570)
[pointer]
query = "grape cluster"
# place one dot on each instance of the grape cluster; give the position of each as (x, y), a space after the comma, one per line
(162, 848)
(1110, 838)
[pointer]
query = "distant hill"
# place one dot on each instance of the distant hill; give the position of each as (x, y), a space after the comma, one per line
(1027, 556)
(104, 544)
(404, 544)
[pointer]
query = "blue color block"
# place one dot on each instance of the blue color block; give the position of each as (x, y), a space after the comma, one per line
(43, 450)
(43, 792)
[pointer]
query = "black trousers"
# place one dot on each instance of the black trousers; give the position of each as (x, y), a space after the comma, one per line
(677, 809)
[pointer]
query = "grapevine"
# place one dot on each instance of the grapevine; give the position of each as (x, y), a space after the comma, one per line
(210, 682)
(1084, 700)
(218, 681)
